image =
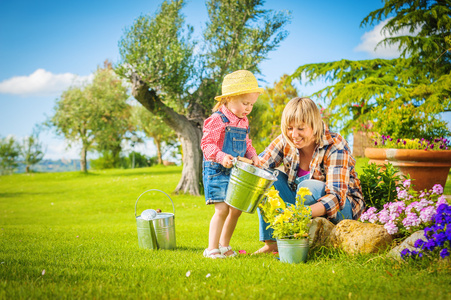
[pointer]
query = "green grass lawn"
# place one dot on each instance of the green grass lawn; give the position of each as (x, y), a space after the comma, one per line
(71, 235)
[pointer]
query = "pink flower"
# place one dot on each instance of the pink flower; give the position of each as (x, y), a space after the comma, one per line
(427, 213)
(411, 220)
(437, 189)
(391, 227)
(369, 215)
(441, 200)
(406, 183)
(402, 194)
(384, 217)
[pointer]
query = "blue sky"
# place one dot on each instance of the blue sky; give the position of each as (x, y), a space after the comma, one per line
(47, 45)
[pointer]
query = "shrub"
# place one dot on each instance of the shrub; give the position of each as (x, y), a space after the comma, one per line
(379, 184)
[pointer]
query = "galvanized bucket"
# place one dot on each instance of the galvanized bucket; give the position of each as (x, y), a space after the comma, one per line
(293, 251)
(247, 186)
(159, 232)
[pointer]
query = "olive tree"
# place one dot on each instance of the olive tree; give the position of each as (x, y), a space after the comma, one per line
(176, 77)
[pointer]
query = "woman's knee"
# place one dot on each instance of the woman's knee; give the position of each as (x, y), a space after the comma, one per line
(316, 187)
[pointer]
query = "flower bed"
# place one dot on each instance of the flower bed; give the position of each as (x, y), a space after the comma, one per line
(413, 211)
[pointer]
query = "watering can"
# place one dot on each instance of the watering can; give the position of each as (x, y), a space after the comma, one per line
(159, 231)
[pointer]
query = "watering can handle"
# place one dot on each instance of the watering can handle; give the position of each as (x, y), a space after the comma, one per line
(136, 203)
(275, 173)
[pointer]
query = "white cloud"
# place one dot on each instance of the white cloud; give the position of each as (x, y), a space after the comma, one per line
(372, 38)
(41, 83)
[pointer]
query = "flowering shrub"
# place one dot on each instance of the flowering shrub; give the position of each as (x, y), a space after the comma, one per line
(288, 222)
(413, 211)
(438, 236)
(417, 144)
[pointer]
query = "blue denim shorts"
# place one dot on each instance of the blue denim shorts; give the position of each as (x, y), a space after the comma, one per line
(216, 180)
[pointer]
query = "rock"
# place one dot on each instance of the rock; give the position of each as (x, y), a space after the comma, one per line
(407, 243)
(319, 232)
(358, 237)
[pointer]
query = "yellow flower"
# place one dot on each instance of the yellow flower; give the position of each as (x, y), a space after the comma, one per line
(304, 191)
(272, 193)
(283, 217)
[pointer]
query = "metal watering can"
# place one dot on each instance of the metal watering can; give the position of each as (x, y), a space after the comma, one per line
(248, 185)
(159, 231)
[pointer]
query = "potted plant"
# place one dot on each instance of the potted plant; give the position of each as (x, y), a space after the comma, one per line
(290, 223)
(426, 161)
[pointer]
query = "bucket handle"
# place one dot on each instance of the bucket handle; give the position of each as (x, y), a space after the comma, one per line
(136, 203)
(275, 173)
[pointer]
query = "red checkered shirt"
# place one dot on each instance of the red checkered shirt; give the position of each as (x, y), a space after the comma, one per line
(214, 134)
(332, 163)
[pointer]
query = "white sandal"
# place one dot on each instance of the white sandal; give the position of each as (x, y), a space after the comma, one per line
(215, 253)
(225, 249)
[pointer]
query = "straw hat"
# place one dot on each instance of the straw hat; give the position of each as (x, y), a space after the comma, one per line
(238, 83)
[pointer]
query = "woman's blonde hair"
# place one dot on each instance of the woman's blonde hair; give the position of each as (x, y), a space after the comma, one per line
(302, 110)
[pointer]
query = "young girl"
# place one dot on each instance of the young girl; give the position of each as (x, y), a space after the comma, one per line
(225, 136)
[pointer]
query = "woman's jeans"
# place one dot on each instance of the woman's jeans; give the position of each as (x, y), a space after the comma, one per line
(316, 187)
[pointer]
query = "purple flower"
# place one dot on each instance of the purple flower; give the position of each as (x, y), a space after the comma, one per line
(419, 243)
(405, 253)
(444, 253)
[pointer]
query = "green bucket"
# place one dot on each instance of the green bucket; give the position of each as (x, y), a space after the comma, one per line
(159, 232)
(248, 185)
(293, 251)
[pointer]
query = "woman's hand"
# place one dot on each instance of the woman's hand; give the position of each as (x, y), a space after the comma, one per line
(227, 161)
(256, 161)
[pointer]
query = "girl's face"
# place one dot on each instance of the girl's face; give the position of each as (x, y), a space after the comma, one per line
(301, 135)
(242, 105)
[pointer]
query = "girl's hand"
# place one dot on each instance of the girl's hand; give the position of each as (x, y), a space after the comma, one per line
(227, 161)
(256, 161)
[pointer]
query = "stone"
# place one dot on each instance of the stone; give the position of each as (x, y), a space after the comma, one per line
(407, 243)
(319, 232)
(357, 237)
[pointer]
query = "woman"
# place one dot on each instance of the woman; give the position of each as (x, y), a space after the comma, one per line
(316, 158)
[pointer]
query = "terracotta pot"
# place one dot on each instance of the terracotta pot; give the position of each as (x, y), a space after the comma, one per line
(427, 168)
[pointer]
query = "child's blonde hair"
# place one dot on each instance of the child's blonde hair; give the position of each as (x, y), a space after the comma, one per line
(221, 102)
(302, 110)
(225, 100)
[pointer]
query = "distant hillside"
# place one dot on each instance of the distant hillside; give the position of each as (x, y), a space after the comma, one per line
(48, 165)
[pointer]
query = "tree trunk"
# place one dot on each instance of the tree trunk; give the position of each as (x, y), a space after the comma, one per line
(158, 145)
(83, 161)
(188, 131)
(27, 169)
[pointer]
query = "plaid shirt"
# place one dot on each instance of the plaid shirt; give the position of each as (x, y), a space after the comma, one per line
(332, 163)
(214, 134)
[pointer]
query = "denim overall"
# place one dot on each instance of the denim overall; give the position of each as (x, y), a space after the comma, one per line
(215, 176)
